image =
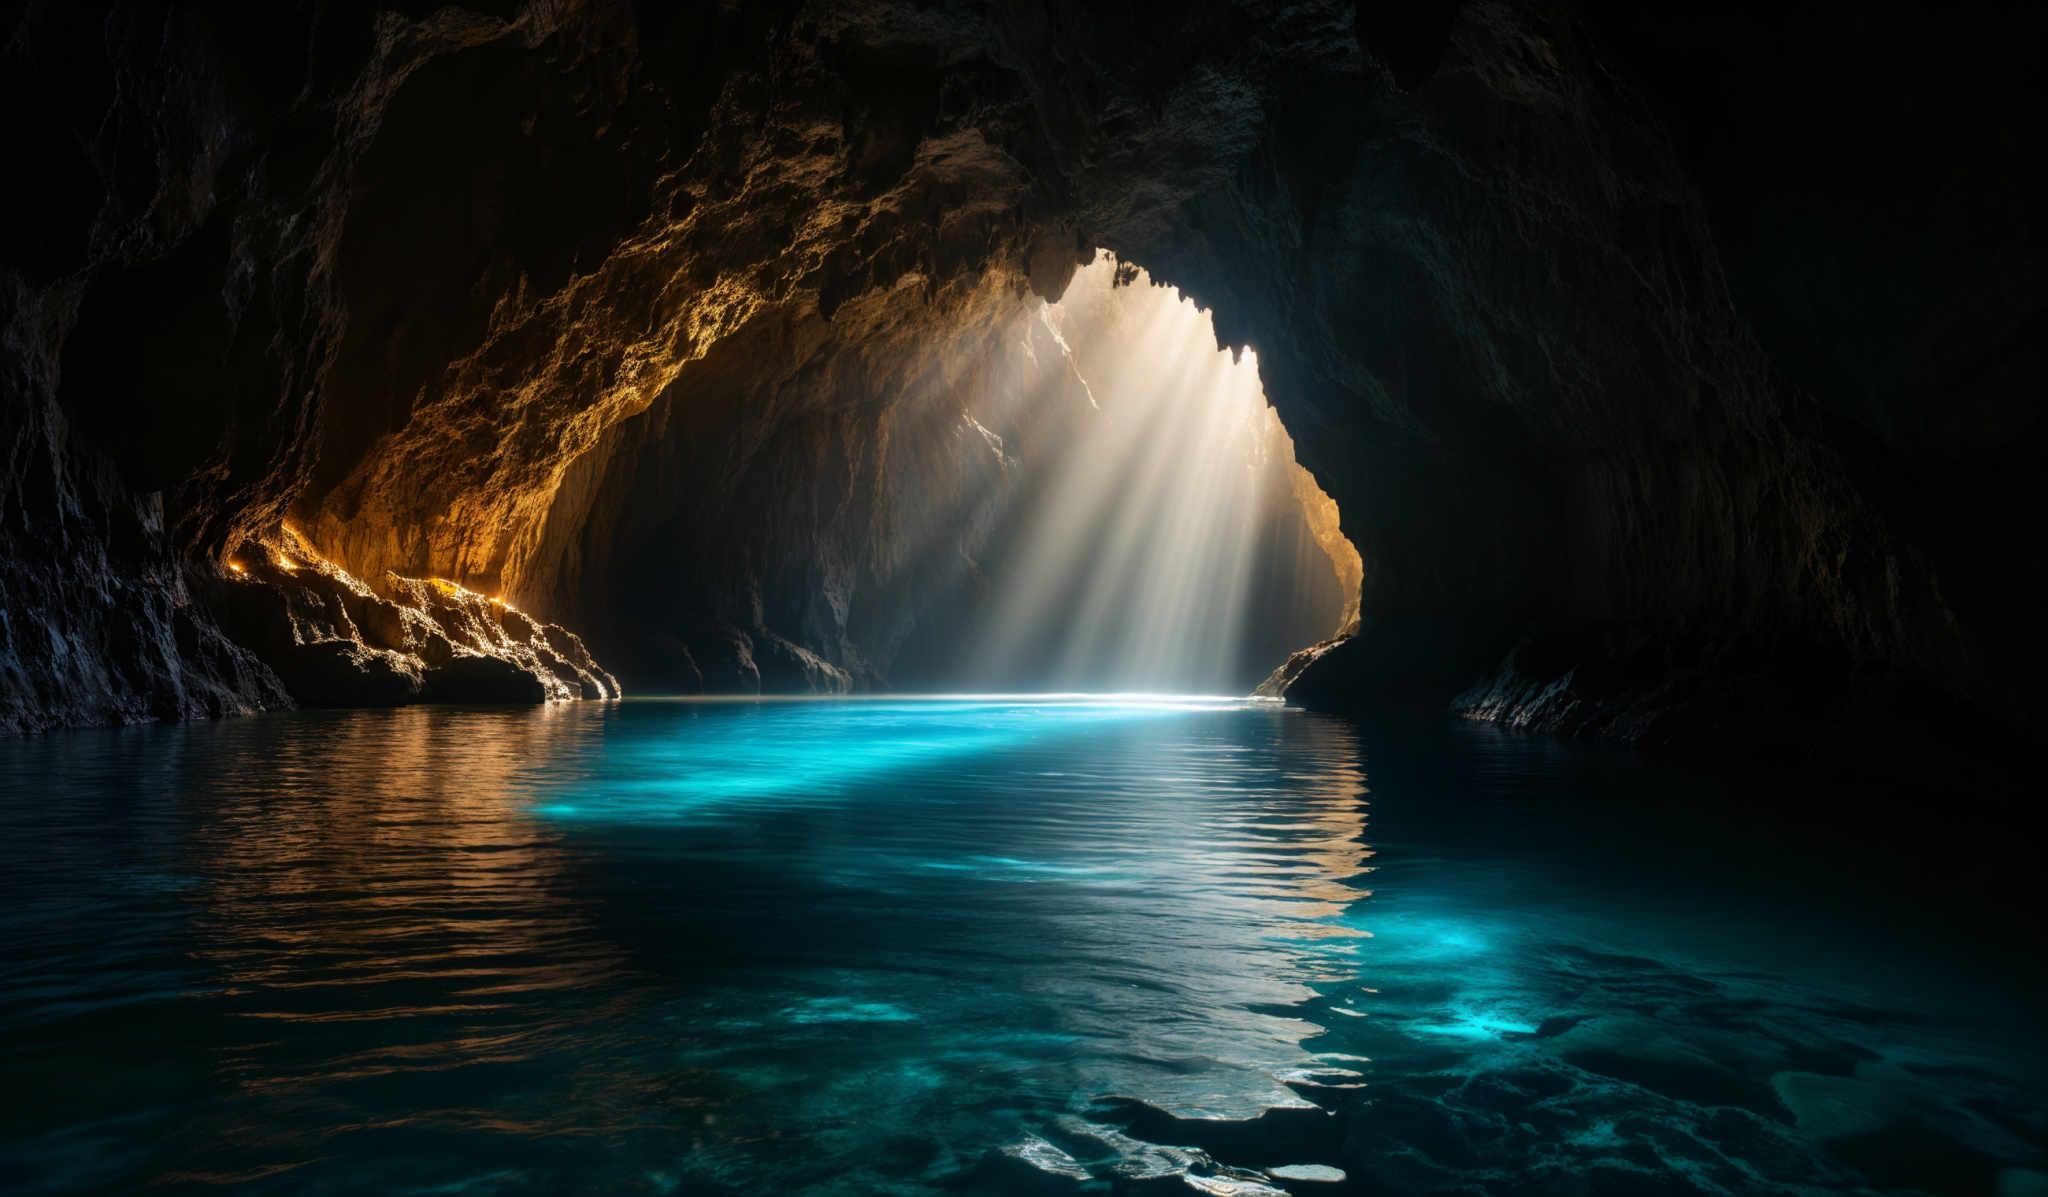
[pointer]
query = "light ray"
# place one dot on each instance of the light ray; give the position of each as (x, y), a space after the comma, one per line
(1131, 563)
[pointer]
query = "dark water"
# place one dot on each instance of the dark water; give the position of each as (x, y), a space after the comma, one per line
(966, 947)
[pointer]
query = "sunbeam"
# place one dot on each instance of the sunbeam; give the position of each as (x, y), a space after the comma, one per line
(1130, 566)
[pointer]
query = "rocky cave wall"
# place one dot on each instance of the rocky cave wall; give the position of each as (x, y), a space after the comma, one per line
(431, 283)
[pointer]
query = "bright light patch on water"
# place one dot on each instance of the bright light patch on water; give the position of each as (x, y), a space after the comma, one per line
(815, 748)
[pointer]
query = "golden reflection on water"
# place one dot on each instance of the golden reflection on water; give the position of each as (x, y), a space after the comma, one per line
(384, 872)
(1329, 837)
(1304, 853)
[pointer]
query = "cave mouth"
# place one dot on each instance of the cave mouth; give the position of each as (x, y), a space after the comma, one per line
(1156, 533)
(994, 492)
(1000, 490)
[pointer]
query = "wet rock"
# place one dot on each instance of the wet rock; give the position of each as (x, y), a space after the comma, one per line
(435, 649)
(384, 625)
(472, 677)
(335, 642)
(343, 673)
(517, 626)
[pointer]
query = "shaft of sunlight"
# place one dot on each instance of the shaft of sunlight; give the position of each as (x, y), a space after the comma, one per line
(1133, 570)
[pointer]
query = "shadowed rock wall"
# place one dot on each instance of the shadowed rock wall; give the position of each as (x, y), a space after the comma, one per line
(502, 294)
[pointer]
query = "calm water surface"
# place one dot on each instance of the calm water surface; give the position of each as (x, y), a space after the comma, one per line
(960, 947)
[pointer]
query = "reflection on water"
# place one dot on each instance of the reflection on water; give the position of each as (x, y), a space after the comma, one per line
(229, 946)
(970, 946)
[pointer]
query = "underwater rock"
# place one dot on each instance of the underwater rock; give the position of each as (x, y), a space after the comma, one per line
(1836, 1107)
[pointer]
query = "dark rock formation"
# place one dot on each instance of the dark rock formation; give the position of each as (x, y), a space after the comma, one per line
(99, 621)
(566, 301)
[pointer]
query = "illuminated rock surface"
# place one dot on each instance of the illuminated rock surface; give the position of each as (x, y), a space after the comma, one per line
(335, 641)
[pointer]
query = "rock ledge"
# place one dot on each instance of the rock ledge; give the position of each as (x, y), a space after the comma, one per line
(337, 641)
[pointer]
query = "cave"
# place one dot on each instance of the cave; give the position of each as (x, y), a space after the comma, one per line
(917, 596)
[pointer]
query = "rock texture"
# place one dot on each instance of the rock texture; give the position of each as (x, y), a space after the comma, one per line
(100, 622)
(335, 641)
(567, 300)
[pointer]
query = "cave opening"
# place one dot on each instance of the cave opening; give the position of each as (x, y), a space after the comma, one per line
(1000, 491)
(1154, 531)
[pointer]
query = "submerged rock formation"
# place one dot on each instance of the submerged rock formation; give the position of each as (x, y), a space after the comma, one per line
(658, 321)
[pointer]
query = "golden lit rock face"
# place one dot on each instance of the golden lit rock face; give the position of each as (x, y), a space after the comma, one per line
(1326, 525)
(339, 642)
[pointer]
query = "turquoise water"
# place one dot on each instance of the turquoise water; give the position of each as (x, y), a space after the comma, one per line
(965, 947)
